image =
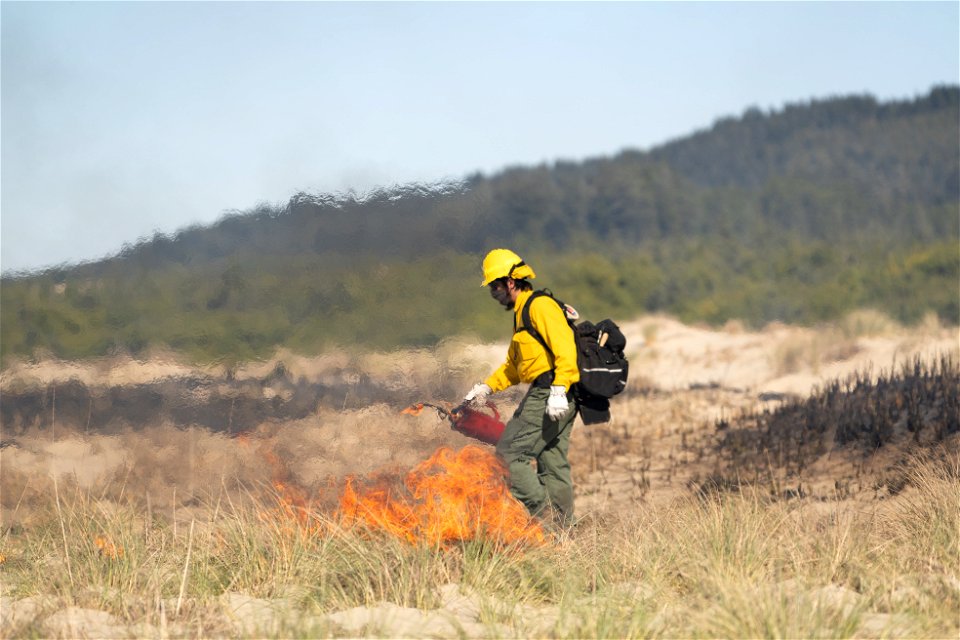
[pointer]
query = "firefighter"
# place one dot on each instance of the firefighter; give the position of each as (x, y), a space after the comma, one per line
(539, 431)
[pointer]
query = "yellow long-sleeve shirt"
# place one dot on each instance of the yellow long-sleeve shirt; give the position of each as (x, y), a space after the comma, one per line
(527, 359)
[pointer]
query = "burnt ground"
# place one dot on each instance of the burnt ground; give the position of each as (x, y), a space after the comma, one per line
(219, 404)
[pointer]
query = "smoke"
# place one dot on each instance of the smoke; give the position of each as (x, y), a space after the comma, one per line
(190, 437)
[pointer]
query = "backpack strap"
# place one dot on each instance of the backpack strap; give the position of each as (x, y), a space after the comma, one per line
(526, 325)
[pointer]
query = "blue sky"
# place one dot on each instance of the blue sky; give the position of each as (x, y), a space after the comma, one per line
(122, 118)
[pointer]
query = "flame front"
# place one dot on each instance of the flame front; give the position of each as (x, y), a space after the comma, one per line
(451, 496)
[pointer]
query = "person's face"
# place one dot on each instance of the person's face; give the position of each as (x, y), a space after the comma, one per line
(503, 291)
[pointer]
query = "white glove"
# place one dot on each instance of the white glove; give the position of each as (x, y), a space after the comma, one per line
(557, 404)
(478, 394)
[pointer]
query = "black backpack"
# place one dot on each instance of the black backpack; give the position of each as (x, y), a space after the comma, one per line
(600, 359)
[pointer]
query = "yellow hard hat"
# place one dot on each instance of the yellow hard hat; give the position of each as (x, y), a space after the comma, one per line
(503, 263)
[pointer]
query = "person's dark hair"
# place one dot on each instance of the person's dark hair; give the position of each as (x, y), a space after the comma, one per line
(522, 285)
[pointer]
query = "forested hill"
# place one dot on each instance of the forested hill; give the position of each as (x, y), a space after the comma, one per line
(896, 149)
(843, 166)
(794, 214)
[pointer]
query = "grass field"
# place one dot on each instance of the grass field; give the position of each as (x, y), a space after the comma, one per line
(181, 532)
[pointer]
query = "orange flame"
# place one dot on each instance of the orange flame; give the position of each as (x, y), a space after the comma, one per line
(452, 496)
(414, 410)
(107, 548)
(293, 504)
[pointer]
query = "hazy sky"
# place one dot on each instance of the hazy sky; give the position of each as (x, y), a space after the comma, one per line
(119, 119)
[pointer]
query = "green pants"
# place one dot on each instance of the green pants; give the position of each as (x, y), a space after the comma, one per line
(530, 436)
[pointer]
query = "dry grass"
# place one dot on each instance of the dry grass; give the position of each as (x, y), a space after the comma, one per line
(177, 532)
(811, 350)
(739, 565)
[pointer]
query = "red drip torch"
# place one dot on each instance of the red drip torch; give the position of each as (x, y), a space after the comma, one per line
(467, 420)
